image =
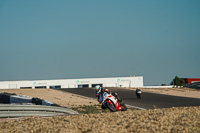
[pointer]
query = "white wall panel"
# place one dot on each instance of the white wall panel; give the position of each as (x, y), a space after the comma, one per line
(73, 83)
(4, 87)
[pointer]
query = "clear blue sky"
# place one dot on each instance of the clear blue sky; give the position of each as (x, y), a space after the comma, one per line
(58, 39)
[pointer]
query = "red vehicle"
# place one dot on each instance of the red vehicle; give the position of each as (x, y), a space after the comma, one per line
(113, 103)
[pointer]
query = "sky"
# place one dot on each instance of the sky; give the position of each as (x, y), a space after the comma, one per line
(63, 39)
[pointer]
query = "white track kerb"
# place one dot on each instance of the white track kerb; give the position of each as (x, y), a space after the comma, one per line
(130, 106)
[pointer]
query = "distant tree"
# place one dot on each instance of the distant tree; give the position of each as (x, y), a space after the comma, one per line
(163, 84)
(177, 81)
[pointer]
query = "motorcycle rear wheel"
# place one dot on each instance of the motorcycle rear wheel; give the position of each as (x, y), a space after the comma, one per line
(111, 107)
(138, 96)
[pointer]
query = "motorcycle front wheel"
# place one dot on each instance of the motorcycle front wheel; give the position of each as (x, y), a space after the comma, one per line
(124, 108)
(111, 106)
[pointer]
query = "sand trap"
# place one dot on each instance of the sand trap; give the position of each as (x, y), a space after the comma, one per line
(185, 92)
(61, 98)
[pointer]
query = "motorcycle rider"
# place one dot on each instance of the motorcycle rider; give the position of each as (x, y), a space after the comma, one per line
(138, 93)
(99, 94)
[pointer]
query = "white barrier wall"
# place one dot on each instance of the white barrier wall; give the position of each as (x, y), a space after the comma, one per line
(75, 83)
(3, 86)
(169, 86)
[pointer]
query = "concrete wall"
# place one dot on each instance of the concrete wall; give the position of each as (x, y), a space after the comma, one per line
(74, 83)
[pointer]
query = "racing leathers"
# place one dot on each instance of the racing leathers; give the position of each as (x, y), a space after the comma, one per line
(100, 98)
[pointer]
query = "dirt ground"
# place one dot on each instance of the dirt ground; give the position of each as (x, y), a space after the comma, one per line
(61, 98)
(185, 92)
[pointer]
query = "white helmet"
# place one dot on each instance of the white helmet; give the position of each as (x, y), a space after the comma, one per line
(98, 88)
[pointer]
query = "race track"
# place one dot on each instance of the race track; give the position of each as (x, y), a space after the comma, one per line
(148, 101)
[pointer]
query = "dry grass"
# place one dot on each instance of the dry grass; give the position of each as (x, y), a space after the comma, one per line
(184, 119)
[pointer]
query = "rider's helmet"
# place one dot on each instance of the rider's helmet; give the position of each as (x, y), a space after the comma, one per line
(98, 89)
(106, 90)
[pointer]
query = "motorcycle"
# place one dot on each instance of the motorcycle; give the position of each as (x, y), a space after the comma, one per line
(138, 94)
(113, 103)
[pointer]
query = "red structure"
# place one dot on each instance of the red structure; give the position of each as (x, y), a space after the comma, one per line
(191, 80)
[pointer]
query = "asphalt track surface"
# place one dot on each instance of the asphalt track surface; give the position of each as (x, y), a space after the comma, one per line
(148, 100)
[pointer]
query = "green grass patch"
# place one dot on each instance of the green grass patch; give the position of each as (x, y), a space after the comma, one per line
(90, 109)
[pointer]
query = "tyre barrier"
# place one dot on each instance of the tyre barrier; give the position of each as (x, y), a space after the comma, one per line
(12, 98)
(5, 97)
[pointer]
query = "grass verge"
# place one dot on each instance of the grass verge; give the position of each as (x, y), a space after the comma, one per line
(90, 109)
(85, 109)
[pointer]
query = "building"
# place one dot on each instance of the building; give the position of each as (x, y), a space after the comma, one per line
(191, 80)
(75, 83)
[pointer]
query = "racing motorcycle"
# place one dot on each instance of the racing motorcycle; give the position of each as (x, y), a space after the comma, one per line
(113, 102)
(138, 94)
